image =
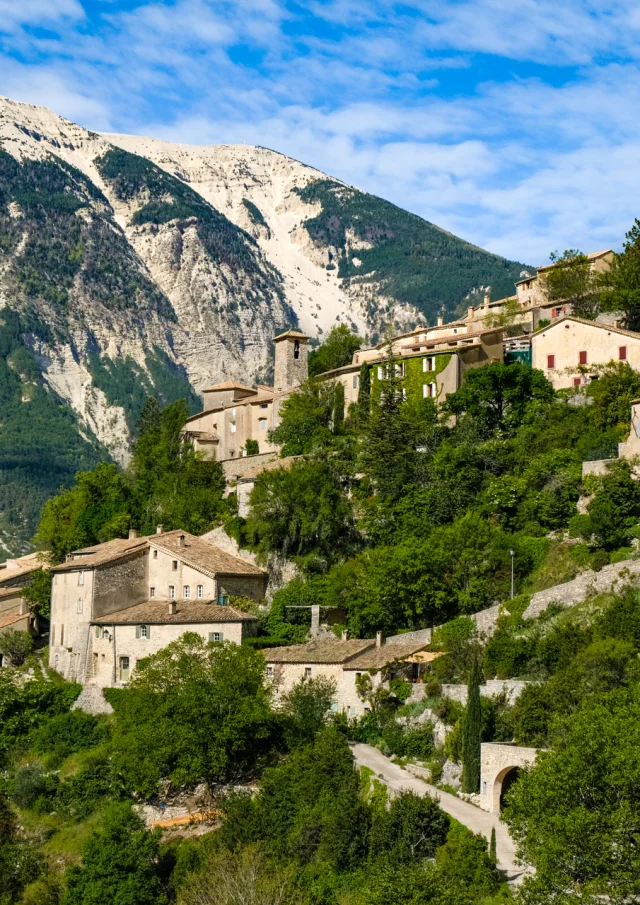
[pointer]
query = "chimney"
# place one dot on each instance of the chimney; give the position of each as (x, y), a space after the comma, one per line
(470, 313)
(172, 608)
(132, 533)
(487, 299)
(440, 321)
(159, 529)
(24, 607)
(345, 635)
(378, 639)
(181, 541)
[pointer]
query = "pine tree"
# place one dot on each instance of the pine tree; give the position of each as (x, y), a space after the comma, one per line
(364, 393)
(472, 733)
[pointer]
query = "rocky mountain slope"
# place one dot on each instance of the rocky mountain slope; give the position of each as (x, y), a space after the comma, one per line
(131, 266)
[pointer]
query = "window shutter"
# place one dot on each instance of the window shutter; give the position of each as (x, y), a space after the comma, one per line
(148, 631)
(137, 631)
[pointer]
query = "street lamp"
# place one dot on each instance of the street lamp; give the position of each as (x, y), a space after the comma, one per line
(513, 553)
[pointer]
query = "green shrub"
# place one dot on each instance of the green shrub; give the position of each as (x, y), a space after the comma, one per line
(67, 733)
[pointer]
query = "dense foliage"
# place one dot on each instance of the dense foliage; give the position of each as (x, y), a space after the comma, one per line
(166, 483)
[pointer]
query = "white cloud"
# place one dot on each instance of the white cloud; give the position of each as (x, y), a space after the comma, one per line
(16, 13)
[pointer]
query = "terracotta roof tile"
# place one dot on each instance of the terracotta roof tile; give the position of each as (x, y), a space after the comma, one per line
(202, 555)
(320, 650)
(8, 617)
(294, 334)
(100, 554)
(581, 320)
(377, 657)
(10, 592)
(228, 385)
(156, 612)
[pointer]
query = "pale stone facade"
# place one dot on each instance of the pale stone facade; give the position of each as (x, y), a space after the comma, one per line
(499, 766)
(344, 662)
(571, 352)
(15, 615)
(144, 593)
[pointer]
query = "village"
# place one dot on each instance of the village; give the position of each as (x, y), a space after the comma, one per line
(116, 603)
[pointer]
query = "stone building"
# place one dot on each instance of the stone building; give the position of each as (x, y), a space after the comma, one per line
(345, 661)
(571, 351)
(16, 572)
(117, 602)
(234, 413)
(15, 615)
(500, 766)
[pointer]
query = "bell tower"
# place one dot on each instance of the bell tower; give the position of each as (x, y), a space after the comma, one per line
(291, 367)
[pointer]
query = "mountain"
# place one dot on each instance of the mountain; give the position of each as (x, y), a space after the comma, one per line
(131, 266)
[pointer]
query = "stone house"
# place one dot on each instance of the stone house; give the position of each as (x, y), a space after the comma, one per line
(15, 615)
(16, 572)
(344, 662)
(234, 413)
(117, 602)
(571, 351)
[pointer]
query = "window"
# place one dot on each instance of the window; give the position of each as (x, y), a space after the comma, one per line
(425, 364)
(622, 353)
(264, 405)
(233, 413)
(262, 424)
(97, 631)
(356, 381)
(62, 636)
(155, 554)
(582, 358)
(223, 599)
(429, 390)
(53, 636)
(124, 669)
(200, 591)
(551, 361)
(576, 381)
(296, 349)
(186, 592)
(232, 427)
(174, 565)
(380, 373)
(172, 592)
(215, 636)
(400, 369)
(434, 390)
(79, 605)
(404, 395)
(80, 578)
(152, 592)
(143, 631)
(358, 675)
(307, 672)
(554, 312)
(269, 672)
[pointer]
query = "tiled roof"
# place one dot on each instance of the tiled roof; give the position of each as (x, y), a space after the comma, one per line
(156, 612)
(320, 650)
(580, 320)
(294, 334)
(377, 657)
(228, 385)
(21, 565)
(10, 592)
(589, 257)
(196, 552)
(202, 555)
(100, 554)
(8, 617)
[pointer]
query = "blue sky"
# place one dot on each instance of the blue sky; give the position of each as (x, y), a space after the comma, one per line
(512, 123)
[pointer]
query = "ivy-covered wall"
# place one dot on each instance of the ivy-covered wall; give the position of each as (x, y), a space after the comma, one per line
(414, 376)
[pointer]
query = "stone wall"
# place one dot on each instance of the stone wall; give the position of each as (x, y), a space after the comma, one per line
(239, 466)
(588, 584)
(512, 688)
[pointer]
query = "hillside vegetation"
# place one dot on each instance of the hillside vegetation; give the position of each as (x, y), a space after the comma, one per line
(406, 257)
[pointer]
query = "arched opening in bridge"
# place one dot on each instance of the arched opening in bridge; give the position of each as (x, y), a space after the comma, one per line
(504, 781)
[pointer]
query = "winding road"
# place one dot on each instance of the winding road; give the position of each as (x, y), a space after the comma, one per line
(478, 821)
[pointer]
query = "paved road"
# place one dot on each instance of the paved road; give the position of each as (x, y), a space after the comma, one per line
(474, 818)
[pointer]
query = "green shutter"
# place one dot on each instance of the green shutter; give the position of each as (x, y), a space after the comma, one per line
(148, 632)
(137, 631)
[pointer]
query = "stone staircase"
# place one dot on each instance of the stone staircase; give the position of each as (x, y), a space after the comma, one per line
(91, 699)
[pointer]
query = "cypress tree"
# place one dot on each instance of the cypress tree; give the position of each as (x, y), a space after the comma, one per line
(338, 408)
(364, 392)
(493, 853)
(472, 733)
